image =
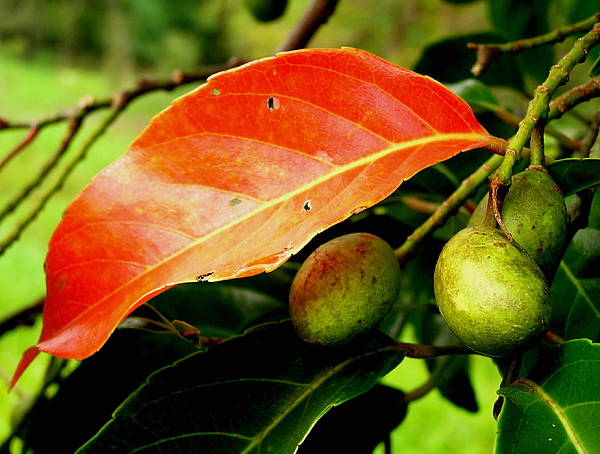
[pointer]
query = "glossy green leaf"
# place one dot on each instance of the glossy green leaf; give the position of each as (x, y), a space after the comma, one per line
(594, 218)
(259, 392)
(556, 409)
(573, 175)
(475, 92)
(594, 70)
(576, 288)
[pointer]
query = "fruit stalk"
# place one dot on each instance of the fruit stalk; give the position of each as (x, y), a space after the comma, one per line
(444, 210)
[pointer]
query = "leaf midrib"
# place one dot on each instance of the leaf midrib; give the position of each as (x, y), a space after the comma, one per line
(560, 414)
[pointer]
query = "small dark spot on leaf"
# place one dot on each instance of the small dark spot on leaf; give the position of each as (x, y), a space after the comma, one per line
(235, 202)
(273, 103)
(307, 206)
(500, 244)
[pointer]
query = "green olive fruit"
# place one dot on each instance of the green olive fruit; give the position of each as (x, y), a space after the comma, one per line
(535, 214)
(344, 289)
(491, 293)
(266, 10)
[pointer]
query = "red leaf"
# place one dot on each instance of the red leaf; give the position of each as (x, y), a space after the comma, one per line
(237, 176)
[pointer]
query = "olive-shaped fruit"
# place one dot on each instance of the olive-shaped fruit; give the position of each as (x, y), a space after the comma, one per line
(535, 214)
(266, 10)
(491, 293)
(344, 289)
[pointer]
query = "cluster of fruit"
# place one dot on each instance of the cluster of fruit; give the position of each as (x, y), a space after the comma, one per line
(492, 290)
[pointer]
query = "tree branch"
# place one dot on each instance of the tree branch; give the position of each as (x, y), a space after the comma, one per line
(538, 108)
(487, 52)
(25, 317)
(316, 15)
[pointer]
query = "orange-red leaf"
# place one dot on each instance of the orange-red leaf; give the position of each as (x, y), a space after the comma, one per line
(238, 175)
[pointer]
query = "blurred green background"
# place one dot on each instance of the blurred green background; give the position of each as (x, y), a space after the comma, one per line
(55, 53)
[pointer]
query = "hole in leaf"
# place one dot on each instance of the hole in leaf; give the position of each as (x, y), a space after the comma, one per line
(216, 91)
(235, 202)
(273, 103)
(204, 277)
(307, 206)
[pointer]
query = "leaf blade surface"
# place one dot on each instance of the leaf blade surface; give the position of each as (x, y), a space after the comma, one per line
(238, 175)
(556, 408)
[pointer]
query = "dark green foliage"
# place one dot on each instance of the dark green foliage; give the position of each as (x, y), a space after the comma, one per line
(540, 415)
(358, 425)
(450, 61)
(266, 10)
(259, 392)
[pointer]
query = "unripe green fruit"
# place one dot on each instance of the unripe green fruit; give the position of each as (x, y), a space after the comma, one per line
(491, 293)
(266, 10)
(344, 289)
(535, 214)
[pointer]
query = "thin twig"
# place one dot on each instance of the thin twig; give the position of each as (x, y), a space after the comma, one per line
(117, 102)
(430, 351)
(487, 52)
(574, 97)
(36, 181)
(511, 119)
(33, 132)
(510, 376)
(444, 370)
(316, 15)
(141, 87)
(444, 210)
(67, 171)
(537, 110)
(25, 317)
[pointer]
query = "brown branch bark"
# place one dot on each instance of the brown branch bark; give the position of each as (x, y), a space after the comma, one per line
(316, 15)
(25, 317)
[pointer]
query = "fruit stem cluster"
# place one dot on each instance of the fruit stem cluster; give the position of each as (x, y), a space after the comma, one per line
(444, 210)
(538, 108)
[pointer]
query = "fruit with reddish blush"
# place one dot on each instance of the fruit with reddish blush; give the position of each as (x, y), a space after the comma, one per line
(344, 289)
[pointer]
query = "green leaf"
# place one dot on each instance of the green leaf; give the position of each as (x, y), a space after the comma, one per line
(386, 409)
(594, 70)
(228, 308)
(259, 392)
(576, 288)
(594, 219)
(557, 407)
(450, 61)
(573, 175)
(515, 20)
(473, 91)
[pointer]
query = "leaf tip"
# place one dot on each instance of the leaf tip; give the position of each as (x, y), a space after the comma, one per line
(28, 356)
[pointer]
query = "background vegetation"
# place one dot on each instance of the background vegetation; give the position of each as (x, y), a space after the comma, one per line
(54, 54)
